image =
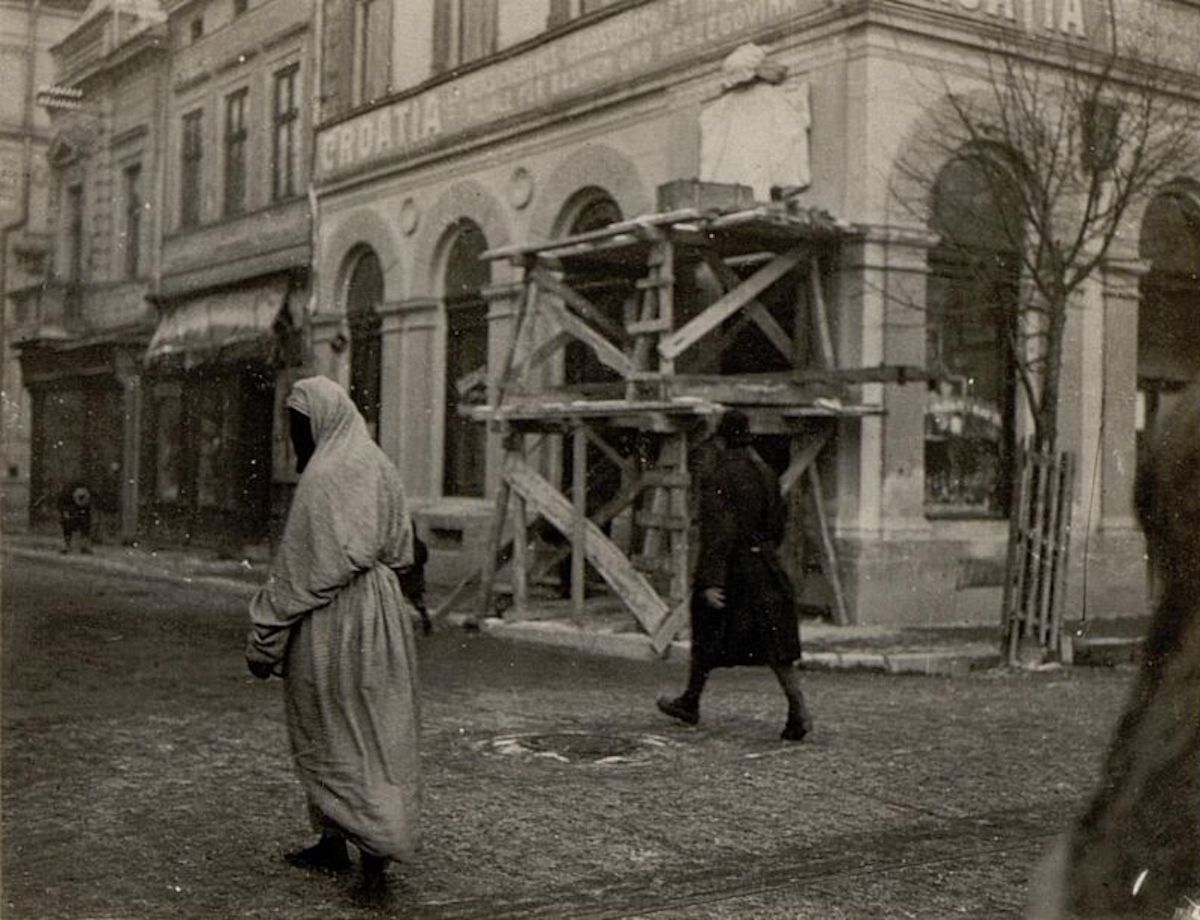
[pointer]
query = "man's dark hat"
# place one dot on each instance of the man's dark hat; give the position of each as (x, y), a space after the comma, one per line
(734, 427)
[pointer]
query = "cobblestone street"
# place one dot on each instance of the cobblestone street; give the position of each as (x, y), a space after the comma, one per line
(147, 775)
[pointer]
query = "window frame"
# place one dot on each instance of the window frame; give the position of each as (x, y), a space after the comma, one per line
(74, 223)
(450, 33)
(284, 132)
(132, 178)
(191, 169)
(235, 144)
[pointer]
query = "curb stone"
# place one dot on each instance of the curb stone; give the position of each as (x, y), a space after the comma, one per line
(625, 645)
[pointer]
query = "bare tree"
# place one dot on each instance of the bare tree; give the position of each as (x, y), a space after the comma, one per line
(1066, 139)
(1056, 143)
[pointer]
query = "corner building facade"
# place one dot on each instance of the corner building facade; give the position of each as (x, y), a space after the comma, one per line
(451, 128)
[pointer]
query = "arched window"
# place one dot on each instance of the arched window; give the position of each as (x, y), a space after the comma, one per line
(972, 299)
(594, 210)
(364, 293)
(466, 360)
(1169, 313)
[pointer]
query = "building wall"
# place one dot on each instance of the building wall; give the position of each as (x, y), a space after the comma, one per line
(24, 137)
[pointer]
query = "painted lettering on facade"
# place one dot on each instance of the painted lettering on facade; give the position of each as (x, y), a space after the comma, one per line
(618, 50)
(1071, 19)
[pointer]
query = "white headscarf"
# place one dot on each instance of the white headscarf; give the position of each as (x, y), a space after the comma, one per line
(348, 513)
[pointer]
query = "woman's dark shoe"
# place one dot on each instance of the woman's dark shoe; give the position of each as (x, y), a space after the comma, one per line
(326, 855)
(372, 887)
(796, 729)
(677, 709)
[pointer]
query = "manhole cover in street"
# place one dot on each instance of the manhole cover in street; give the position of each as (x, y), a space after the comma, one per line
(578, 747)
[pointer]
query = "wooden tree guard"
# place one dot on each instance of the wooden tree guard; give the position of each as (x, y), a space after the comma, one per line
(1039, 545)
(748, 253)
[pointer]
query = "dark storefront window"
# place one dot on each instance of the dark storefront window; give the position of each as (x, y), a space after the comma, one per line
(208, 464)
(190, 179)
(364, 293)
(78, 437)
(235, 153)
(286, 124)
(972, 295)
(168, 444)
(215, 427)
(466, 361)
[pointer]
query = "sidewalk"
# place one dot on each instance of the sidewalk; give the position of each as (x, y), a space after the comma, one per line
(608, 629)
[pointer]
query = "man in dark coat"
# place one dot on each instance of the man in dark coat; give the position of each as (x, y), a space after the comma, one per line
(743, 607)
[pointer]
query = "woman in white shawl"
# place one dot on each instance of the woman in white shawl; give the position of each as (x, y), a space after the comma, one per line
(331, 621)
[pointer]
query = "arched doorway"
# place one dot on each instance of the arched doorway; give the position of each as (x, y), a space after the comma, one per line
(972, 296)
(466, 276)
(1169, 312)
(364, 294)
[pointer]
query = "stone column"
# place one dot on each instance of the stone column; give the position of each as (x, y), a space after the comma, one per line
(881, 473)
(1118, 444)
(881, 470)
(504, 301)
(412, 362)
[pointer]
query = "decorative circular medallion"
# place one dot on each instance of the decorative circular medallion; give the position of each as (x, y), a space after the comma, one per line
(520, 187)
(409, 217)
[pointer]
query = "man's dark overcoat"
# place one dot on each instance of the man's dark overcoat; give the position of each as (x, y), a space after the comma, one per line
(742, 518)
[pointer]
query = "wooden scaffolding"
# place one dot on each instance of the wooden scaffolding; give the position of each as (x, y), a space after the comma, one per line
(679, 312)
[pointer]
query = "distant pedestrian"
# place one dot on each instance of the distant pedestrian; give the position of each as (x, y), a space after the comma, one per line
(75, 515)
(333, 622)
(743, 606)
(1135, 850)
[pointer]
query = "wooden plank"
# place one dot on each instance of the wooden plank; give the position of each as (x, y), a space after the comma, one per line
(828, 555)
(520, 561)
(487, 577)
(728, 304)
(582, 305)
(605, 351)
(1010, 567)
(666, 299)
(579, 522)
(759, 314)
(548, 348)
(680, 538)
(1063, 547)
(1049, 554)
(1038, 548)
(801, 460)
(630, 585)
(821, 315)
(670, 627)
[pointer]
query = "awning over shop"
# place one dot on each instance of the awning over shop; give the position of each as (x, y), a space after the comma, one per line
(205, 327)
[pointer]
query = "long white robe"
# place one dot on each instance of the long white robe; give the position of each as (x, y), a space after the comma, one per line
(332, 621)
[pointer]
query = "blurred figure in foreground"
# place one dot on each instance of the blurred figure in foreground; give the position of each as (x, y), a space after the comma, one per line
(332, 621)
(1135, 851)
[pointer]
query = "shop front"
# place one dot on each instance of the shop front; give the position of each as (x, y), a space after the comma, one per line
(211, 429)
